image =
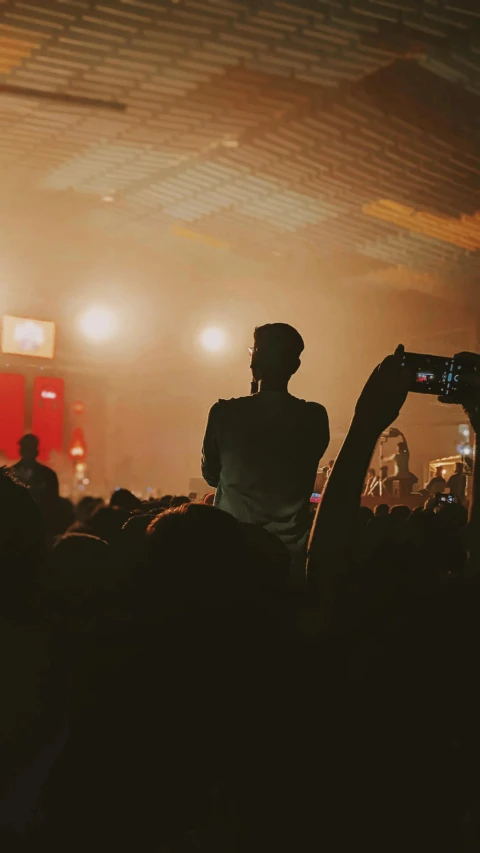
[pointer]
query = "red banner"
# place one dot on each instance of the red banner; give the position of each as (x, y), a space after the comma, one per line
(12, 413)
(47, 414)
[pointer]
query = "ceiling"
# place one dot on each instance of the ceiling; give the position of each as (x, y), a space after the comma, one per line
(340, 134)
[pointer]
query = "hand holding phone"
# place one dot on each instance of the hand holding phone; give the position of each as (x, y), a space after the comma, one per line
(450, 377)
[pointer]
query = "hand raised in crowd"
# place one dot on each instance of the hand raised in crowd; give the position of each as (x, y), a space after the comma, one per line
(469, 395)
(384, 394)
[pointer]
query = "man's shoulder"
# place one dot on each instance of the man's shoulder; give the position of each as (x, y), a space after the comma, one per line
(314, 409)
(45, 471)
(232, 403)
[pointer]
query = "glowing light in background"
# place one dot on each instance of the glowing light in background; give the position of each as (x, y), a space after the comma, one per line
(98, 324)
(213, 339)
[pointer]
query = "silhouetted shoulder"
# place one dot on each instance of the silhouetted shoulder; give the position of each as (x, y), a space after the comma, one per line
(234, 404)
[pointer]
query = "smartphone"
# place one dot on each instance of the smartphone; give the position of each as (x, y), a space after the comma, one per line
(435, 374)
(315, 499)
(446, 499)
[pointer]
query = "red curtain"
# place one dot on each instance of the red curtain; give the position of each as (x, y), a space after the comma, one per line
(47, 414)
(12, 413)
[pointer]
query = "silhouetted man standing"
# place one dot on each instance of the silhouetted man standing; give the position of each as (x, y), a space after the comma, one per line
(261, 453)
(41, 480)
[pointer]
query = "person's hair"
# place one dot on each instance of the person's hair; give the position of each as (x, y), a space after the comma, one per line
(80, 576)
(459, 467)
(86, 507)
(400, 512)
(107, 522)
(179, 500)
(402, 446)
(381, 510)
(439, 471)
(194, 553)
(125, 499)
(276, 352)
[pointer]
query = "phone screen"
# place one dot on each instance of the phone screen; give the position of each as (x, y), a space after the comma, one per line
(435, 374)
(446, 499)
(315, 499)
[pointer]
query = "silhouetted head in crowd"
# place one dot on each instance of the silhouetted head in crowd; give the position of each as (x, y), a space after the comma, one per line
(29, 447)
(179, 500)
(439, 471)
(132, 539)
(164, 501)
(195, 553)
(459, 468)
(400, 513)
(275, 355)
(365, 514)
(80, 571)
(107, 522)
(381, 510)
(86, 506)
(23, 548)
(126, 500)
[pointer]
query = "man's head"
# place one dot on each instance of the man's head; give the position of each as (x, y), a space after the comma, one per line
(28, 446)
(459, 468)
(276, 352)
(439, 471)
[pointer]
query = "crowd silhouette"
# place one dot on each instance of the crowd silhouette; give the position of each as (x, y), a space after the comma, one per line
(172, 682)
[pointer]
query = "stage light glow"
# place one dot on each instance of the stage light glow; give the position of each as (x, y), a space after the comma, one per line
(98, 323)
(212, 339)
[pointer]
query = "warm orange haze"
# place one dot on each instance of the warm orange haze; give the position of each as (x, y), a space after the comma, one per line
(239, 421)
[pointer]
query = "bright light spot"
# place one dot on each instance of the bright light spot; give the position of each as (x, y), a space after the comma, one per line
(212, 339)
(108, 198)
(467, 451)
(48, 395)
(98, 324)
(444, 471)
(85, 481)
(466, 432)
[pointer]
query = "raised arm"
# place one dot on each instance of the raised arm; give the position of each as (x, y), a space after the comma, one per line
(331, 538)
(471, 406)
(211, 465)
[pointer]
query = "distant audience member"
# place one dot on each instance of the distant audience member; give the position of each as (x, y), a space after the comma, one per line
(458, 482)
(107, 522)
(41, 480)
(437, 484)
(261, 452)
(179, 500)
(126, 500)
(381, 510)
(400, 513)
(86, 507)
